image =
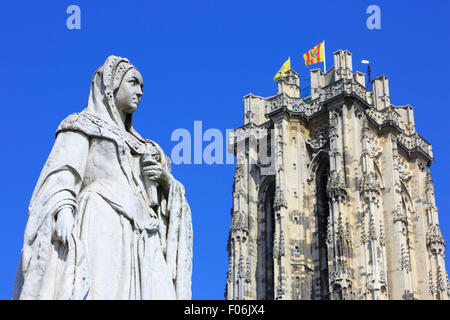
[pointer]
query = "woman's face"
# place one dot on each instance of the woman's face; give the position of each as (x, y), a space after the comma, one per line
(128, 96)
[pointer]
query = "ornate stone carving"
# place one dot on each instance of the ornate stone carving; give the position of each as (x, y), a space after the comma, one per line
(338, 274)
(276, 247)
(442, 282)
(372, 148)
(421, 166)
(429, 183)
(334, 122)
(238, 181)
(431, 287)
(329, 231)
(405, 261)
(400, 215)
(241, 267)
(340, 228)
(239, 221)
(347, 234)
(316, 160)
(435, 241)
(282, 244)
(279, 292)
(369, 184)
(275, 103)
(364, 238)
(280, 199)
(383, 278)
(390, 156)
(319, 137)
(382, 236)
(248, 273)
(404, 173)
(388, 116)
(359, 113)
(248, 131)
(415, 142)
(336, 187)
(229, 272)
(333, 89)
(372, 229)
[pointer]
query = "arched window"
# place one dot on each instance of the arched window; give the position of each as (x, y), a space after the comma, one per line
(266, 226)
(322, 211)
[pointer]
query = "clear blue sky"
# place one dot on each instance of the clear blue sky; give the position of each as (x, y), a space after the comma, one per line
(198, 59)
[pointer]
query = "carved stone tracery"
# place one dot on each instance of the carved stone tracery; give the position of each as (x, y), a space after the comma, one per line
(366, 174)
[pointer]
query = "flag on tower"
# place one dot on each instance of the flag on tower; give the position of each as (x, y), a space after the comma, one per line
(315, 55)
(284, 68)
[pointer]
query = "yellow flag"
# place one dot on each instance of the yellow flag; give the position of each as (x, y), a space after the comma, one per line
(284, 68)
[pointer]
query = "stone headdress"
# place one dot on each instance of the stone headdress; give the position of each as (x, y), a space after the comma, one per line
(105, 82)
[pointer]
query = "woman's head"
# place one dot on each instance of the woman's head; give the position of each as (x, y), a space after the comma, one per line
(116, 91)
(129, 92)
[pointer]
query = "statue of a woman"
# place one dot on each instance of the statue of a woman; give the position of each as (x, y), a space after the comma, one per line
(106, 219)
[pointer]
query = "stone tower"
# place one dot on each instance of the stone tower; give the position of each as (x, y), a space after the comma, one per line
(332, 196)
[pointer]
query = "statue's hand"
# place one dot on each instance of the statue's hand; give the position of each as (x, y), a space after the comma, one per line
(155, 172)
(64, 224)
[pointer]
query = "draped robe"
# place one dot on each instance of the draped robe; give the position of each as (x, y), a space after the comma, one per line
(120, 247)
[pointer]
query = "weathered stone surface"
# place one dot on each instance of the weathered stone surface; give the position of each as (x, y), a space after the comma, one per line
(351, 167)
(106, 220)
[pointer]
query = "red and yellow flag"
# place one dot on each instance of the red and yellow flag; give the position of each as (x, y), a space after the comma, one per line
(315, 55)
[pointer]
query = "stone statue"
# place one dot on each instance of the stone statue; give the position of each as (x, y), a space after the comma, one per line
(106, 220)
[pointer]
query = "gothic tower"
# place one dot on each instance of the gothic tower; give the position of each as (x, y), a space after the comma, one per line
(332, 196)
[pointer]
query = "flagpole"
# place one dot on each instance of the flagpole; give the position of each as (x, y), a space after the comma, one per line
(324, 58)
